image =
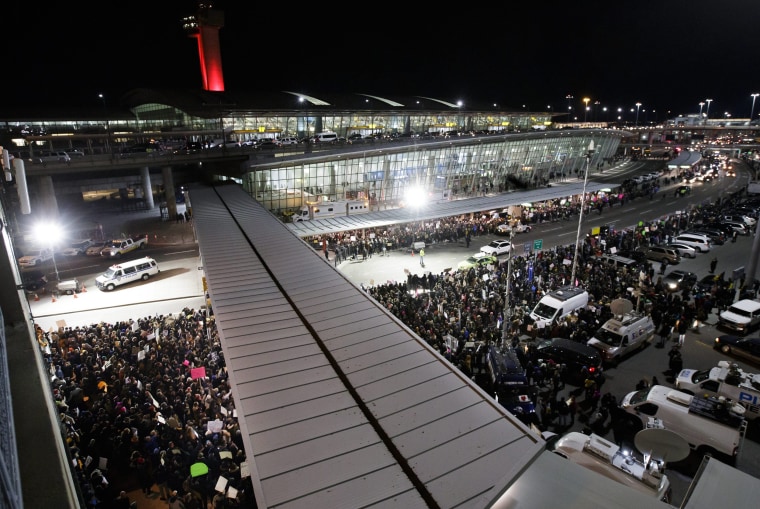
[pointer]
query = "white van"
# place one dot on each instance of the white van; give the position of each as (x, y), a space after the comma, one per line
(612, 461)
(709, 425)
(699, 242)
(325, 137)
(622, 335)
(558, 304)
(126, 272)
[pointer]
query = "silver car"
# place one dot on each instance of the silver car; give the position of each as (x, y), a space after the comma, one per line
(683, 250)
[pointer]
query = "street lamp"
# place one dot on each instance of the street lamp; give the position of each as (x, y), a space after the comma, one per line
(752, 111)
(586, 100)
(580, 215)
(569, 106)
(596, 110)
(507, 325)
(49, 234)
(707, 115)
(700, 109)
(105, 114)
(638, 105)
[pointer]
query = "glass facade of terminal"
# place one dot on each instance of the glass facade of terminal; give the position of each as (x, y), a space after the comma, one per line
(436, 170)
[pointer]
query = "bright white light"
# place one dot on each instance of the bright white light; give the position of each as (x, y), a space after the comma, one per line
(48, 233)
(416, 197)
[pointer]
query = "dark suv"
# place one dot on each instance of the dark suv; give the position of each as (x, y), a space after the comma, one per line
(33, 280)
(581, 360)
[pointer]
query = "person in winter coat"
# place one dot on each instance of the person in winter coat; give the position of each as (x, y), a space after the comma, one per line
(682, 326)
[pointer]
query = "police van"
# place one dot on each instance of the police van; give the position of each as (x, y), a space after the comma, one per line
(622, 335)
(126, 272)
(710, 425)
(510, 382)
(727, 380)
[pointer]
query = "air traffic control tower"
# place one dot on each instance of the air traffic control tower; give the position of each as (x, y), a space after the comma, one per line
(204, 26)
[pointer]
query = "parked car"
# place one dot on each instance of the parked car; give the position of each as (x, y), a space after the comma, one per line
(717, 236)
(740, 218)
(581, 360)
(56, 156)
(739, 228)
(33, 280)
(678, 280)
(662, 253)
(95, 248)
(504, 228)
(289, 140)
(496, 247)
(746, 348)
(77, 248)
(74, 153)
(684, 250)
(266, 144)
(141, 148)
(191, 147)
(35, 257)
(477, 260)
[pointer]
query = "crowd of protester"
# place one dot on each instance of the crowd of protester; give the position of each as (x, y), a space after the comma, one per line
(456, 309)
(148, 400)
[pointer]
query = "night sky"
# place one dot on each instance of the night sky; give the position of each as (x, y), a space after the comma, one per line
(667, 55)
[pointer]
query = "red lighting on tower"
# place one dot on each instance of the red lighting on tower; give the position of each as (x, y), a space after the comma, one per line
(204, 26)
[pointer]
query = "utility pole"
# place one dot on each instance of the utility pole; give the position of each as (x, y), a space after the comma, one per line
(506, 327)
(580, 215)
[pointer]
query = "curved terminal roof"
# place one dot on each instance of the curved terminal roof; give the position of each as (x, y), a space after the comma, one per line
(206, 104)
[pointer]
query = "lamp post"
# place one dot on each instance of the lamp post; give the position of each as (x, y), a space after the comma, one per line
(638, 106)
(580, 215)
(752, 111)
(507, 325)
(569, 106)
(707, 115)
(596, 110)
(700, 109)
(49, 234)
(586, 100)
(105, 115)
